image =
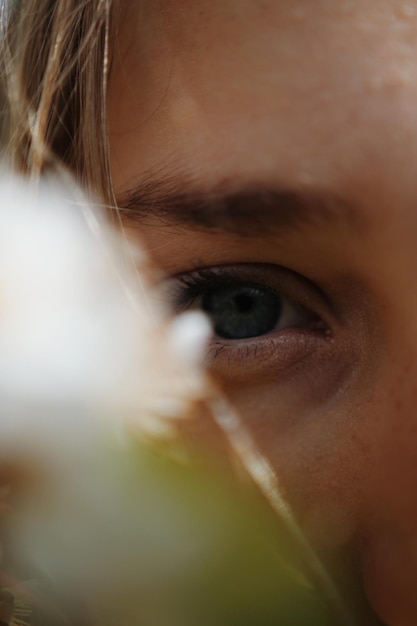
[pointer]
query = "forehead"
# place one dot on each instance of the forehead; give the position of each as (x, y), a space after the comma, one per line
(302, 91)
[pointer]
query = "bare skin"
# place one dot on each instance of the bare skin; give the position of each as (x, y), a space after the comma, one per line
(312, 101)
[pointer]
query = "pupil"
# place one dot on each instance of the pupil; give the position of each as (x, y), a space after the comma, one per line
(244, 302)
(242, 311)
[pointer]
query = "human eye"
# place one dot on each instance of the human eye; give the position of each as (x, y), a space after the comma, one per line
(256, 311)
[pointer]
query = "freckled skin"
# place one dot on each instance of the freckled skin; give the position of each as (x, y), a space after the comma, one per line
(317, 94)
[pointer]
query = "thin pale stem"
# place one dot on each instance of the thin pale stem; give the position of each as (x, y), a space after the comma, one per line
(264, 476)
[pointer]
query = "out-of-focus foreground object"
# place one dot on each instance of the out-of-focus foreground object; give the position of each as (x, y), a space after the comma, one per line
(104, 514)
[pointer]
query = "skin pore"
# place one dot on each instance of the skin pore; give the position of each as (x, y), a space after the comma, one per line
(271, 146)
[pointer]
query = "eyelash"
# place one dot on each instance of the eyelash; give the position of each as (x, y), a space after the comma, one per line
(284, 344)
(195, 283)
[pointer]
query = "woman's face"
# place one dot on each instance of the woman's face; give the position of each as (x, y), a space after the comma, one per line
(267, 151)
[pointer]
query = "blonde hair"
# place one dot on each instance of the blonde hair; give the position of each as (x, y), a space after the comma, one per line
(54, 66)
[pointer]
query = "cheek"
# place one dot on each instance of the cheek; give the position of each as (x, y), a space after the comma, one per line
(349, 469)
(310, 430)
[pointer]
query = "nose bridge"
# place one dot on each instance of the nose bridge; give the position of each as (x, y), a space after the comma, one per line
(398, 387)
(394, 277)
(391, 471)
(401, 317)
(392, 415)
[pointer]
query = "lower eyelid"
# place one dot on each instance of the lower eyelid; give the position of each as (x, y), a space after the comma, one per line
(278, 352)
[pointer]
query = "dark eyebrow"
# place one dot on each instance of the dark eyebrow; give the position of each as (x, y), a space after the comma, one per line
(252, 210)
